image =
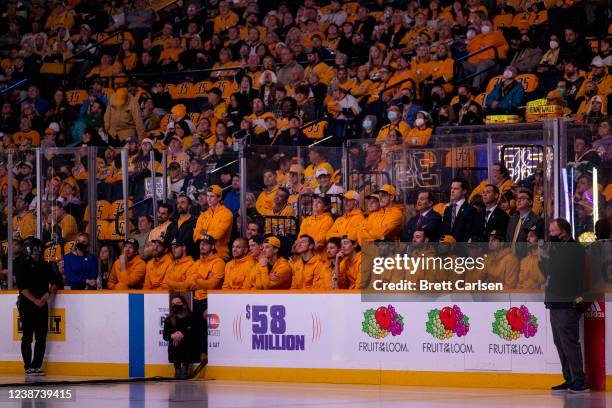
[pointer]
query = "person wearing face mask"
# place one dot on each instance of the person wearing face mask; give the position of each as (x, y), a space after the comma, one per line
(420, 134)
(368, 127)
(80, 266)
(395, 123)
(551, 57)
(467, 110)
(527, 55)
(507, 96)
(486, 59)
(563, 264)
(36, 282)
(180, 332)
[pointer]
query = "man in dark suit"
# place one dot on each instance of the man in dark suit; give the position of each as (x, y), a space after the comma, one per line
(521, 222)
(493, 218)
(459, 216)
(426, 219)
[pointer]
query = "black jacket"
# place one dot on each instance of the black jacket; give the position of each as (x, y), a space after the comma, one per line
(565, 271)
(463, 228)
(32, 275)
(185, 234)
(187, 351)
(498, 221)
(432, 223)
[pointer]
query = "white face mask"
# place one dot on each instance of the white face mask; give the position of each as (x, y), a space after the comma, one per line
(367, 124)
(508, 74)
(471, 34)
(392, 116)
(419, 122)
(485, 29)
(554, 44)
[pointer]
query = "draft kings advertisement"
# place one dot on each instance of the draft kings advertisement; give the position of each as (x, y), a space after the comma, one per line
(342, 331)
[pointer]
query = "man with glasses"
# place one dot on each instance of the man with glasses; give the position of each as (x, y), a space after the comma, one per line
(524, 219)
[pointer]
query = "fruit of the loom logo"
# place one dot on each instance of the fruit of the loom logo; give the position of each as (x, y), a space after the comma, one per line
(382, 321)
(442, 324)
(510, 324)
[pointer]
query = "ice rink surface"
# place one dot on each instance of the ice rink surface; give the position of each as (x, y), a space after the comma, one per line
(230, 394)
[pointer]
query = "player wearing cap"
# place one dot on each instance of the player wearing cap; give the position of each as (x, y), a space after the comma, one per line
(351, 222)
(239, 271)
(530, 274)
(347, 274)
(178, 277)
(265, 200)
(128, 272)
(319, 223)
(327, 187)
(273, 272)
(216, 221)
(317, 161)
(385, 221)
(208, 271)
(158, 266)
(324, 71)
(501, 264)
(310, 272)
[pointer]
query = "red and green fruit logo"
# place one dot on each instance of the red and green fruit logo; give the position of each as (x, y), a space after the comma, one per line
(378, 323)
(443, 324)
(510, 324)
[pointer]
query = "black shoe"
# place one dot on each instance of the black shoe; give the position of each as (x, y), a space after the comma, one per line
(185, 372)
(579, 387)
(561, 387)
(30, 372)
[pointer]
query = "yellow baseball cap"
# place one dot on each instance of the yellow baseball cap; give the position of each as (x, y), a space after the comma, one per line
(215, 189)
(373, 195)
(389, 189)
(275, 242)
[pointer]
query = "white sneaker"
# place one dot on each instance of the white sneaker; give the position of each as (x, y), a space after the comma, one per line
(38, 372)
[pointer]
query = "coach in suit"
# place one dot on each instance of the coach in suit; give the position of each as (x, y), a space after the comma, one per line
(459, 216)
(521, 222)
(493, 218)
(427, 219)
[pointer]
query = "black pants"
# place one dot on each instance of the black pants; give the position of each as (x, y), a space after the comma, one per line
(34, 321)
(200, 312)
(565, 325)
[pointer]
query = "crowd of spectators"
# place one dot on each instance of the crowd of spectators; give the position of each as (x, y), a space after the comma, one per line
(198, 79)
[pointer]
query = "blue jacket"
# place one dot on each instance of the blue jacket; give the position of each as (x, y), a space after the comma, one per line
(509, 102)
(232, 201)
(78, 269)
